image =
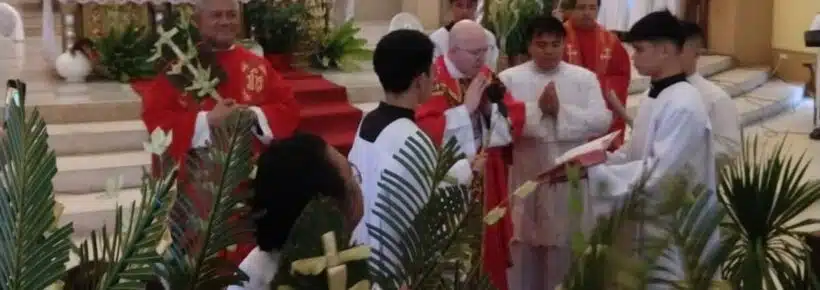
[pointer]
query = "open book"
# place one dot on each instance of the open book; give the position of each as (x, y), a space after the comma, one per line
(588, 154)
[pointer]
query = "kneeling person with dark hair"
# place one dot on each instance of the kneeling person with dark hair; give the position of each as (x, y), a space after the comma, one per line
(290, 174)
(403, 62)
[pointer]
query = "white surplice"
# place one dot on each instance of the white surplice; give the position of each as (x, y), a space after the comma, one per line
(373, 155)
(723, 116)
(261, 268)
(542, 218)
(542, 221)
(672, 136)
(614, 15)
(441, 38)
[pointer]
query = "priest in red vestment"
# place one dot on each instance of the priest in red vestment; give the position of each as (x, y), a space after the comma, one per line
(484, 119)
(593, 47)
(250, 84)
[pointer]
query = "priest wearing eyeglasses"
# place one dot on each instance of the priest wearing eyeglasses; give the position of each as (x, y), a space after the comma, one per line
(471, 105)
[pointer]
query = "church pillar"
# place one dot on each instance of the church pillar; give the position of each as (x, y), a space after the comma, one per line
(742, 29)
(428, 11)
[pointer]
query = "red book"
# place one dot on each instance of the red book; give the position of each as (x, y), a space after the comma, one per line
(586, 155)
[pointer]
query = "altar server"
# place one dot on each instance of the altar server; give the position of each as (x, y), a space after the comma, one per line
(722, 111)
(403, 62)
(671, 134)
(464, 10)
(564, 108)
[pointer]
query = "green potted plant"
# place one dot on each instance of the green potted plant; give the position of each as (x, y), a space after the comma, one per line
(509, 20)
(278, 27)
(341, 49)
(123, 54)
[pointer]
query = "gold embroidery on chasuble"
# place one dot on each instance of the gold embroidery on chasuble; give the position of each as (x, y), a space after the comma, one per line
(255, 76)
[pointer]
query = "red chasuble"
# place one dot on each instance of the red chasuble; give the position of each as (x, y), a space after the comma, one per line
(601, 52)
(251, 81)
(430, 117)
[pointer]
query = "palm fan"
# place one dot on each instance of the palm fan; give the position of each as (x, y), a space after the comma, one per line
(210, 214)
(764, 192)
(126, 255)
(436, 222)
(33, 249)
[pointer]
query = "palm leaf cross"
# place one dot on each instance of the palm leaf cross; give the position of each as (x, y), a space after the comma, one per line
(333, 261)
(203, 84)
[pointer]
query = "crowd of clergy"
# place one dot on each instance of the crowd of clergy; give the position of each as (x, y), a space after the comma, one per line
(510, 126)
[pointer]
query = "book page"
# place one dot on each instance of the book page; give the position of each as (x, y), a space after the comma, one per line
(599, 144)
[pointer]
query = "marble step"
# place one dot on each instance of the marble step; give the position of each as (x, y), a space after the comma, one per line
(90, 212)
(767, 100)
(83, 174)
(735, 82)
(96, 137)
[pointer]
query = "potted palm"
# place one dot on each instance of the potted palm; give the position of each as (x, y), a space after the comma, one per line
(278, 27)
(509, 20)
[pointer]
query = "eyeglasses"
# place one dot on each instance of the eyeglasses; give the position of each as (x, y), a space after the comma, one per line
(476, 51)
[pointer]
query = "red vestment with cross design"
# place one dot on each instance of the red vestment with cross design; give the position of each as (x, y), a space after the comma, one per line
(250, 81)
(431, 119)
(601, 52)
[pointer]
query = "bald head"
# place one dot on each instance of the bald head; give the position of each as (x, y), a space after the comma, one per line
(468, 47)
(467, 31)
(218, 21)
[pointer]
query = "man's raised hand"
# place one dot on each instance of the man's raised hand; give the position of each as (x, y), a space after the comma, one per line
(222, 110)
(475, 92)
(548, 102)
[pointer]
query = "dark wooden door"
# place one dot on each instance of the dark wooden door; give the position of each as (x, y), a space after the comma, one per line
(698, 11)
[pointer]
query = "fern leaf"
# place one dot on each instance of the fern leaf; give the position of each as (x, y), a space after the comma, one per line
(32, 256)
(210, 216)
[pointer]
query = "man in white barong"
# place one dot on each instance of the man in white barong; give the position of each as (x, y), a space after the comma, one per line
(464, 10)
(403, 62)
(722, 111)
(565, 108)
(672, 135)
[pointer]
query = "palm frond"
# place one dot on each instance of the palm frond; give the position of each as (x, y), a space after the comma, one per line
(694, 234)
(125, 256)
(33, 251)
(434, 221)
(210, 215)
(764, 192)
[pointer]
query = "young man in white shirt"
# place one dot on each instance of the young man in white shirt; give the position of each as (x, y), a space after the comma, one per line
(722, 111)
(565, 108)
(672, 134)
(403, 61)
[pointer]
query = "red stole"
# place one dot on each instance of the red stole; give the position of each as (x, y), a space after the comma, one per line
(495, 238)
(604, 47)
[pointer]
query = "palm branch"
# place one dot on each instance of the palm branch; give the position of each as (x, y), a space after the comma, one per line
(699, 247)
(600, 260)
(210, 215)
(764, 192)
(33, 250)
(435, 221)
(125, 256)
